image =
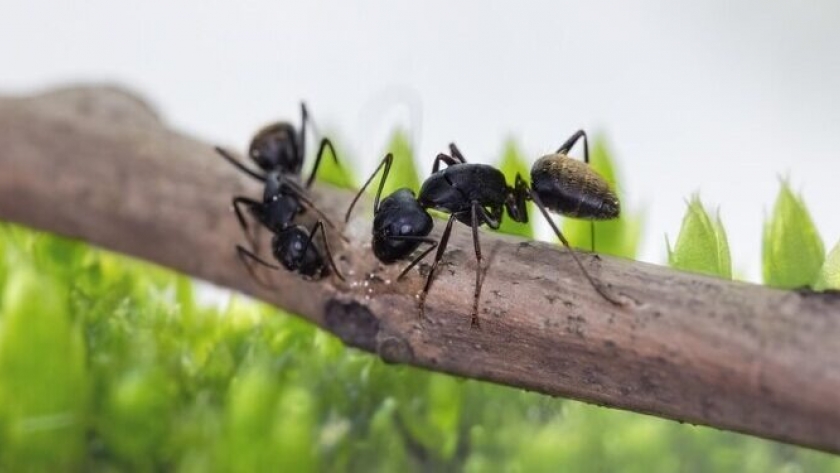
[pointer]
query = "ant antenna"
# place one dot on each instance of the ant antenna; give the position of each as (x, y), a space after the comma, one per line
(389, 158)
(236, 163)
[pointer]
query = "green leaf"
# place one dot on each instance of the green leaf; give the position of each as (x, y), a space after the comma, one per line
(619, 237)
(829, 277)
(43, 379)
(403, 173)
(513, 163)
(339, 175)
(793, 250)
(702, 246)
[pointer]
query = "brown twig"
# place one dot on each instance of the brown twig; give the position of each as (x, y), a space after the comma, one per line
(96, 164)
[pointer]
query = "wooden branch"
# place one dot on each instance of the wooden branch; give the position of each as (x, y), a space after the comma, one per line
(96, 164)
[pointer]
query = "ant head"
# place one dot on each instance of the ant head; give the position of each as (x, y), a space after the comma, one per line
(398, 225)
(277, 148)
(294, 249)
(516, 199)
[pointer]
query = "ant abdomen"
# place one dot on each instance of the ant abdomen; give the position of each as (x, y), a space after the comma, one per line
(572, 188)
(294, 249)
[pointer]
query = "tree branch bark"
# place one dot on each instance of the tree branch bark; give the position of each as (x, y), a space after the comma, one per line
(97, 164)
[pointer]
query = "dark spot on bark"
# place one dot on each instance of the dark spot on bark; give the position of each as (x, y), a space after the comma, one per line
(353, 323)
(551, 299)
(396, 350)
(568, 304)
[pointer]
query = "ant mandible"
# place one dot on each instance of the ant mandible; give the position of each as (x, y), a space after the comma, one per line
(477, 194)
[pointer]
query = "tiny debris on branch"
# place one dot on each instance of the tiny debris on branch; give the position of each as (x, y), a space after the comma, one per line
(96, 163)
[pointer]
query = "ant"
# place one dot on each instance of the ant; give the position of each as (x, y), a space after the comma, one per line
(279, 151)
(478, 194)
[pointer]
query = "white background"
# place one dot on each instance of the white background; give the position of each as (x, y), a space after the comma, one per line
(716, 97)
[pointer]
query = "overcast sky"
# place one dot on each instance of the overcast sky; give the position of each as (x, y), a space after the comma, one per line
(697, 96)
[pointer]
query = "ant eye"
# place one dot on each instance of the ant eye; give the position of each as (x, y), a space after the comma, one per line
(405, 229)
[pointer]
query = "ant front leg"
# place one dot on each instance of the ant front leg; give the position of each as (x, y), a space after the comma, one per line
(432, 245)
(246, 257)
(255, 208)
(444, 240)
(325, 143)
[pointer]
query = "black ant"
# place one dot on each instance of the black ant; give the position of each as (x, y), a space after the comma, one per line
(279, 151)
(477, 194)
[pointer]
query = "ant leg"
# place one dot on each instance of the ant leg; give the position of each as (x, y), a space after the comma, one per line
(444, 240)
(516, 202)
(567, 146)
(446, 159)
(326, 248)
(478, 280)
(492, 219)
(325, 143)
(432, 245)
(456, 153)
(304, 118)
(253, 206)
(565, 242)
(389, 158)
(238, 165)
(245, 256)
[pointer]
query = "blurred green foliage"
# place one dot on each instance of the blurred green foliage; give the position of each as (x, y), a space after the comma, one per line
(702, 246)
(829, 276)
(793, 251)
(110, 364)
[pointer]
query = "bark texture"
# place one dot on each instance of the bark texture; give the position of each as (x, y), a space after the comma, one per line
(96, 163)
